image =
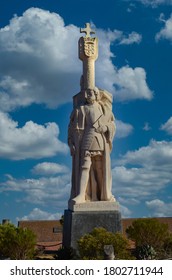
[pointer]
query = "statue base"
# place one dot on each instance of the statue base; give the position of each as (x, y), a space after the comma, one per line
(82, 218)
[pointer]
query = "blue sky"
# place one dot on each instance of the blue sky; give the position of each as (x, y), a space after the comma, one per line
(39, 74)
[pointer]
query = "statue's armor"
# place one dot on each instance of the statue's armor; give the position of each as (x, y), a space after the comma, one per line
(92, 140)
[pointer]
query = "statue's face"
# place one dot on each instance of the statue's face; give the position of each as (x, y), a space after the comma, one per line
(90, 96)
(97, 95)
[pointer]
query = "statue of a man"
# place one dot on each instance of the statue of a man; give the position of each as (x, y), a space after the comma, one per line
(91, 131)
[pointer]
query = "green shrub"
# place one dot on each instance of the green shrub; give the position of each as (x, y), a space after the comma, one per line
(16, 243)
(91, 246)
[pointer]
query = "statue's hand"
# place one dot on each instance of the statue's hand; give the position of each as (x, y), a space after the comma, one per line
(101, 129)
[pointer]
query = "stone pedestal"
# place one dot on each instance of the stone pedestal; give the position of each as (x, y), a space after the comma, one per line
(82, 218)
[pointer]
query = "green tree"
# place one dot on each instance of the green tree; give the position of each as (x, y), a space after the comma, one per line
(16, 243)
(145, 252)
(91, 246)
(166, 252)
(148, 233)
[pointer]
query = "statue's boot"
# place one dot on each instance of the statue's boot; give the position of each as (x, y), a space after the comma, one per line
(80, 198)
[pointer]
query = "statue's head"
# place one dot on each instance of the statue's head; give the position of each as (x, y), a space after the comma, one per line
(97, 93)
(92, 95)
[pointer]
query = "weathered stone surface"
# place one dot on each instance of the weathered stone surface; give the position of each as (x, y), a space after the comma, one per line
(90, 135)
(76, 224)
(94, 206)
(109, 252)
(91, 131)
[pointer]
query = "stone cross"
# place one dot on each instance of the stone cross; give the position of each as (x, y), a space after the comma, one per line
(88, 53)
(87, 30)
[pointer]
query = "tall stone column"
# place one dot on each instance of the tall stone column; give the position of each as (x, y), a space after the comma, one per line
(88, 53)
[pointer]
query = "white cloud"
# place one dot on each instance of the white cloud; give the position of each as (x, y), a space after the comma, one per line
(14, 93)
(156, 154)
(123, 129)
(37, 60)
(131, 7)
(136, 177)
(167, 126)
(159, 208)
(131, 84)
(129, 201)
(133, 37)
(49, 168)
(38, 214)
(126, 213)
(38, 54)
(125, 83)
(144, 172)
(166, 31)
(147, 126)
(117, 36)
(155, 3)
(30, 141)
(138, 183)
(41, 191)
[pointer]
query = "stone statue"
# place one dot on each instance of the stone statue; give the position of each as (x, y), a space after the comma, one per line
(109, 252)
(90, 135)
(91, 131)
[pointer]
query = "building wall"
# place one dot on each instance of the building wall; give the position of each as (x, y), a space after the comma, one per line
(48, 233)
(51, 240)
